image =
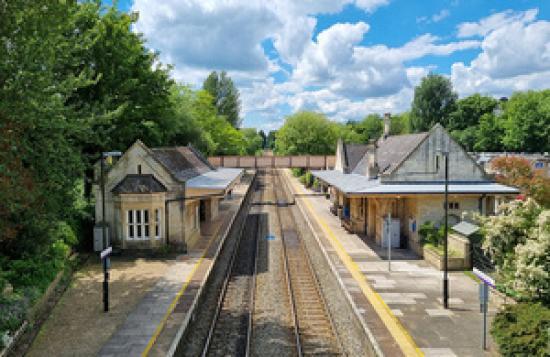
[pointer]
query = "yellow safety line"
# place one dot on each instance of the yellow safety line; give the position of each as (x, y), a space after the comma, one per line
(397, 330)
(172, 306)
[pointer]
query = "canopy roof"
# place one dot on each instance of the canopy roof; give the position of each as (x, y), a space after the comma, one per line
(220, 179)
(360, 185)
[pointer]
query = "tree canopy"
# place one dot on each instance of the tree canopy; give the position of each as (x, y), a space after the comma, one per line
(306, 133)
(225, 96)
(434, 101)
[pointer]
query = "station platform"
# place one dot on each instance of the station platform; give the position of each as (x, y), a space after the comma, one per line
(401, 308)
(155, 325)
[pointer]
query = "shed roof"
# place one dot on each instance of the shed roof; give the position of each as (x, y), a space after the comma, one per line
(133, 183)
(465, 228)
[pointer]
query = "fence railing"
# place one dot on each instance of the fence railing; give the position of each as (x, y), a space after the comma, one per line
(320, 162)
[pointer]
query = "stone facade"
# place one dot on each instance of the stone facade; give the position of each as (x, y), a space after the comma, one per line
(407, 161)
(139, 216)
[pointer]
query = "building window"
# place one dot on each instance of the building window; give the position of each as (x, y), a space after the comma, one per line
(157, 223)
(436, 162)
(454, 205)
(138, 224)
(139, 169)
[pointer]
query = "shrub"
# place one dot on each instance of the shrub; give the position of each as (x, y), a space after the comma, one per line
(522, 330)
(13, 310)
(297, 172)
(308, 179)
(429, 234)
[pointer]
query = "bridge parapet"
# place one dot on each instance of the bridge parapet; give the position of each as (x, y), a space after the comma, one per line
(319, 162)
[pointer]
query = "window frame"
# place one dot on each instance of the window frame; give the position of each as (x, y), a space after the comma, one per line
(138, 227)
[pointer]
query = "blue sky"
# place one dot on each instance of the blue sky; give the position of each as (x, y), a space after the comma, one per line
(348, 58)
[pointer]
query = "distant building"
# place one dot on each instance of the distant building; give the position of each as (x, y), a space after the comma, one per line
(161, 196)
(540, 162)
(404, 175)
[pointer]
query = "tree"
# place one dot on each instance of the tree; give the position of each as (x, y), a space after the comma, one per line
(253, 141)
(264, 139)
(527, 121)
(434, 101)
(490, 133)
(221, 137)
(347, 133)
(518, 171)
(370, 128)
(400, 124)
(306, 133)
(270, 140)
(469, 111)
(225, 96)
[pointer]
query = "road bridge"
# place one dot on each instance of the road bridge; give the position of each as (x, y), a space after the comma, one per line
(319, 162)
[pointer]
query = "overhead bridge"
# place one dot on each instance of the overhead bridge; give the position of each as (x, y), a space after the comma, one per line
(318, 162)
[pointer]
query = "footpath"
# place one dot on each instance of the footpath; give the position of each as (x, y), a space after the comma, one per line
(401, 307)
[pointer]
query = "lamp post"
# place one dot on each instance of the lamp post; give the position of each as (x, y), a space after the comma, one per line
(446, 230)
(105, 258)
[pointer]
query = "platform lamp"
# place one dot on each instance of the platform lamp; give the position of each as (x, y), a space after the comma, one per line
(445, 154)
(105, 156)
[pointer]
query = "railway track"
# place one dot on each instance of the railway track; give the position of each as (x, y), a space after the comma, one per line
(231, 328)
(313, 327)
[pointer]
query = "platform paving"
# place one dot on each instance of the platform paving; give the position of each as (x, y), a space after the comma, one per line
(411, 290)
(152, 326)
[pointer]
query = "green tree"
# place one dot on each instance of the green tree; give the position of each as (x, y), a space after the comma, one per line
(527, 121)
(225, 96)
(370, 128)
(489, 134)
(221, 137)
(469, 111)
(306, 133)
(270, 140)
(434, 101)
(347, 132)
(253, 141)
(400, 124)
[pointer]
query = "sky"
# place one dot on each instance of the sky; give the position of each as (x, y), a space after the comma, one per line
(348, 58)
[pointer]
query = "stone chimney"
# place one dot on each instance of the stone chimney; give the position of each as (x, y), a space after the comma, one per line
(372, 165)
(387, 124)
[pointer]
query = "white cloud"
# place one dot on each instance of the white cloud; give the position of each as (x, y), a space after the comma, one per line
(443, 14)
(437, 17)
(338, 61)
(515, 56)
(495, 21)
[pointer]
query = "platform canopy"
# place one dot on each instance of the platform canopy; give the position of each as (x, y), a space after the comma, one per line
(219, 179)
(355, 184)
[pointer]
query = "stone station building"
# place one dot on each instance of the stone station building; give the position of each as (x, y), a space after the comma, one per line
(404, 175)
(161, 196)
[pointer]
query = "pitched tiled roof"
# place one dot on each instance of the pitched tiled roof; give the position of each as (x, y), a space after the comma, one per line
(139, 184)
(353, 155)
(394, 149)
(183, 162)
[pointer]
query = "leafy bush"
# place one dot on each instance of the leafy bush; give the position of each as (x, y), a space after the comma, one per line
(518, 242)
(13, 309)
(297, 172)
(316, 184)
(37, 271)
(522, 330)
(308, 179)
(429, 234)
